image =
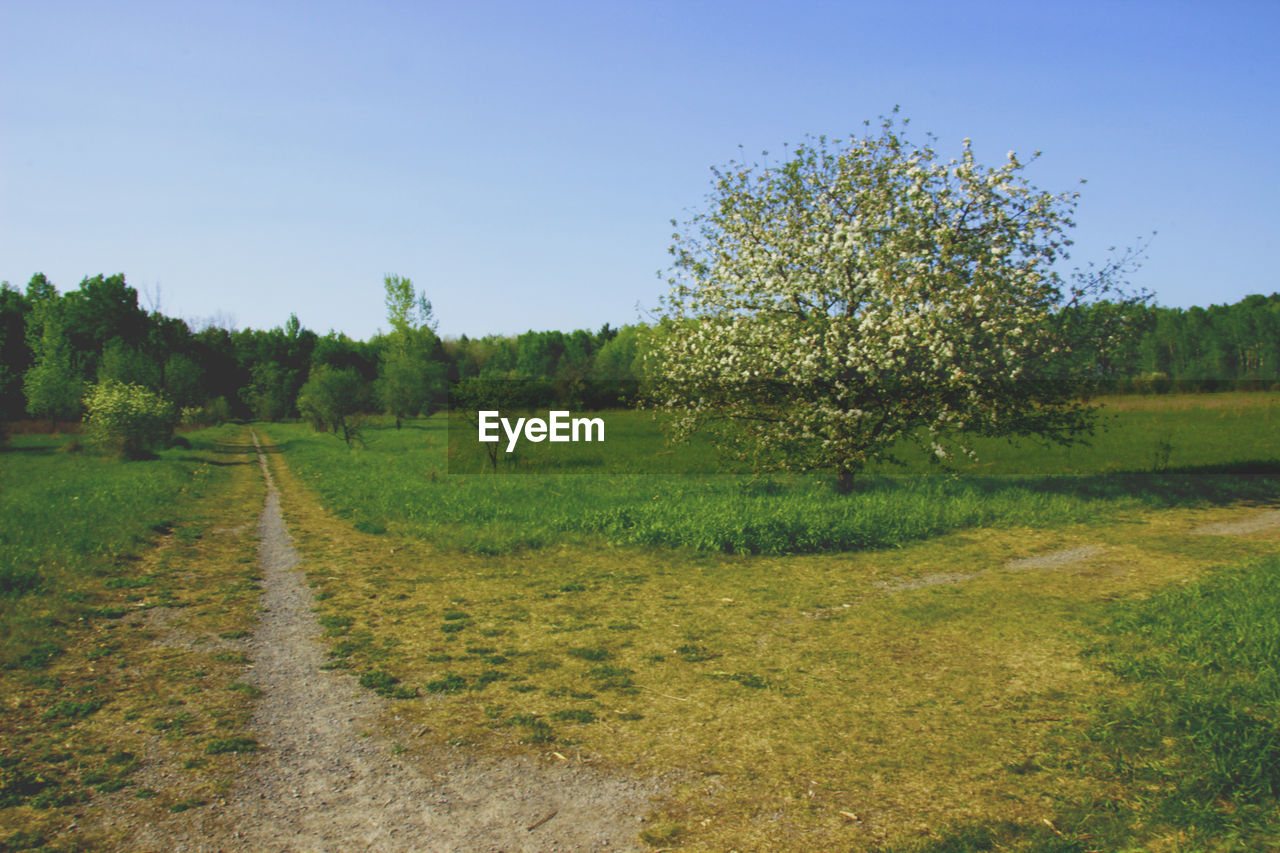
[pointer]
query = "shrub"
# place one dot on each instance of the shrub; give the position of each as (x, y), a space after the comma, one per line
(129, 419)
(1152, 383)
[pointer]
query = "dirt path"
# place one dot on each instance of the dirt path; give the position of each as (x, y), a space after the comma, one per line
(1266, 520)
(326, 779)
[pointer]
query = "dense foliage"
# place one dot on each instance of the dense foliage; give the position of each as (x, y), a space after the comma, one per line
(129, 419)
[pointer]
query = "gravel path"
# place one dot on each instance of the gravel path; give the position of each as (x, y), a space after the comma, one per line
(326, 779)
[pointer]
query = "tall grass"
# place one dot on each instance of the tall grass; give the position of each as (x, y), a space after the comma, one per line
(1142, 458)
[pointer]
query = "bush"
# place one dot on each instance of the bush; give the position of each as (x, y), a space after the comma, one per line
(128, 419)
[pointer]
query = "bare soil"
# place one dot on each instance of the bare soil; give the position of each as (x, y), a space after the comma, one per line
(1060, 559)
(329, 777)
(1268, 520)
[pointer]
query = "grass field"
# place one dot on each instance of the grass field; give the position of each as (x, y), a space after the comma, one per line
(890, 670)
(928, 696)
(71, 518)
(1144, 456)
(125, 586)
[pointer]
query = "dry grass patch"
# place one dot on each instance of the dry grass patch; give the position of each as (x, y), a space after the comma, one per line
(795, 703)
(143, 714)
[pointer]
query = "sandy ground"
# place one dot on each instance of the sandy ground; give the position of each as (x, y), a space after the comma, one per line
(327, 778)
(1060, 559)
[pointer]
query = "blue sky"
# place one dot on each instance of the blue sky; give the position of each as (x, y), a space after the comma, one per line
(521, 161)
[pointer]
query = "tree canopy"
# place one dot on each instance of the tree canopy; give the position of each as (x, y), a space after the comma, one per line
(864, 291)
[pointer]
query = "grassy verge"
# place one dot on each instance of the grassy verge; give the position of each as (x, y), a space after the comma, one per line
(1149, 455)
(831, 701)
(1186, 747)
(69, 520)
(121, 660)
(1196, 741)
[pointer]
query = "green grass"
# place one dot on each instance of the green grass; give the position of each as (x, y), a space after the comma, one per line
(385, 684)
(786, 693)
(1200, 734)
(110, 655)
(1146, 456)
(70, 522)
(1191, 744)
(219, 746)
(61, 509)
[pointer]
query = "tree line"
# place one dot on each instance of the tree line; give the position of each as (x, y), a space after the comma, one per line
(55, 346)
(1203, 349)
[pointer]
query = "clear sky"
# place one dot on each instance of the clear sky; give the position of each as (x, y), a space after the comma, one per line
(521, 161)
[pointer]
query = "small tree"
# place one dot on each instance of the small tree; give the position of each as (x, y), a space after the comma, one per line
(407, 310)
(128, 419)
(865, 292)
(408, 381)
(409, 377)
(472, 395)
(52, 385)
(332, 399)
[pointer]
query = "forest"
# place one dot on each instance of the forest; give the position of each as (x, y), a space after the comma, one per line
(54, 345)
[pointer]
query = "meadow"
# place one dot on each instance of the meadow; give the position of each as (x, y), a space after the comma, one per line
(882, 674)
(70, 517)
(123, 588)
(1144, 455)
(889, 670)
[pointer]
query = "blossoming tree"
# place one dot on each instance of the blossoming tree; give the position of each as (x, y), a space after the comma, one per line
(867, 291)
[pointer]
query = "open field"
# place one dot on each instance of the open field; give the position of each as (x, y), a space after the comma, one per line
(951, 693)
(1144, 456)
(122, 661)
(1077, 662)
(918, 688)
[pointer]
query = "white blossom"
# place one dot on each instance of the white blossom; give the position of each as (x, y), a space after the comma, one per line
(888, 290)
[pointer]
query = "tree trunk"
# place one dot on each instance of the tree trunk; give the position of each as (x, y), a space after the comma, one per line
(844, 481)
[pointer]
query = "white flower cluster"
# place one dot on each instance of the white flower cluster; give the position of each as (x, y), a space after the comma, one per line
(885, 290)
